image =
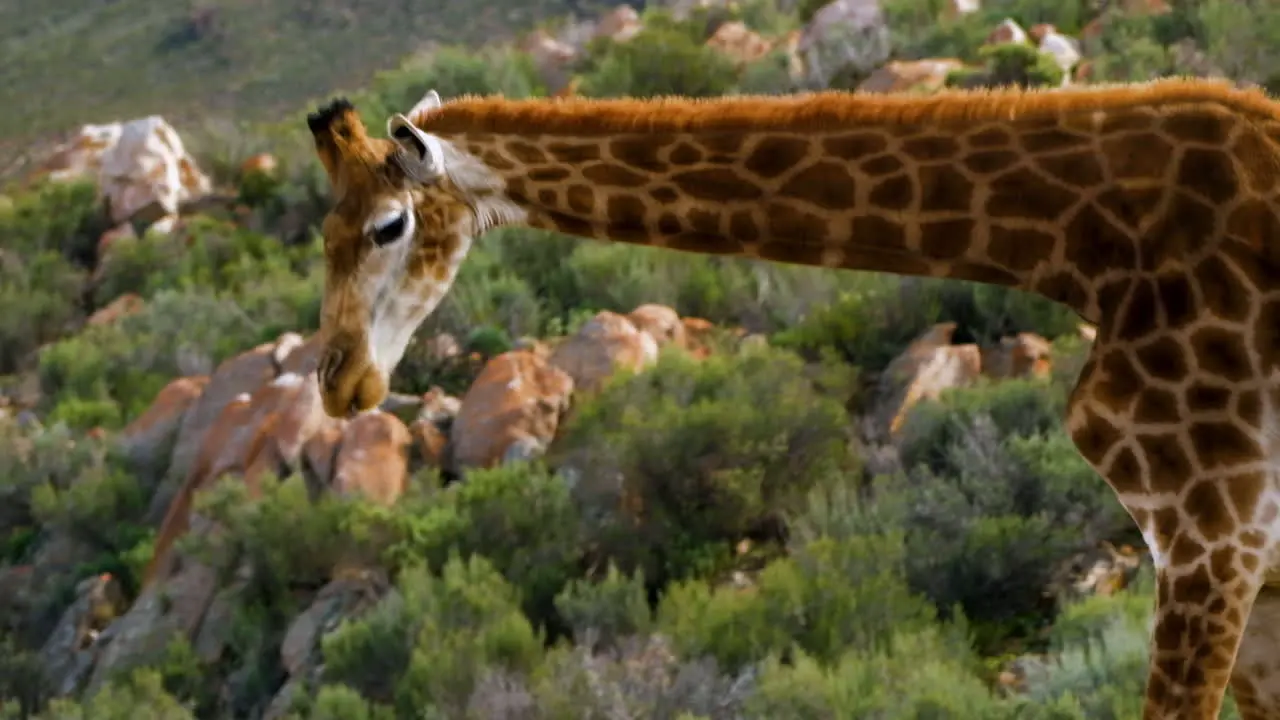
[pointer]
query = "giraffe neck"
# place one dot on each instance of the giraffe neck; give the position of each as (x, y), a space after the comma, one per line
(1045, 192)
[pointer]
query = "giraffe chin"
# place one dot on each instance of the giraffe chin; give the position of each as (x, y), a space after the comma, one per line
(350, 398)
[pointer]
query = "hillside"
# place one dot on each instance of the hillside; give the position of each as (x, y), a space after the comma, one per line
(610, 481)
(74, 61)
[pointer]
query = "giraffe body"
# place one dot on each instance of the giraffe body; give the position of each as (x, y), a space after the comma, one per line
(1153, 211)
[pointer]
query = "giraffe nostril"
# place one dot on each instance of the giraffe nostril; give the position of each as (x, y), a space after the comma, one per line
(329, 365)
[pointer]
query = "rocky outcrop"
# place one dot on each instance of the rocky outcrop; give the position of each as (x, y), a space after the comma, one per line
(602, 346)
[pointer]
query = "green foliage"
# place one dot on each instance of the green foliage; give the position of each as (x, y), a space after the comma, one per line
(616, 606)
(141, 696)
(674, 464)
(427, 646)
(665, 58)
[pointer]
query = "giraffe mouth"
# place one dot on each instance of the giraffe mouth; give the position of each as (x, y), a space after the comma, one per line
(350, 383)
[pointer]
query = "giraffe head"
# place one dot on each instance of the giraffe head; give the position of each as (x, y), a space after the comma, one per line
(405, 211)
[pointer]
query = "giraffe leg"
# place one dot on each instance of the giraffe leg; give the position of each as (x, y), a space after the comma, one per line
(1203, 496)
(1255, 679)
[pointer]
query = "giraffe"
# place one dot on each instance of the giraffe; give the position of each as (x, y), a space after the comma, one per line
(1152, 210)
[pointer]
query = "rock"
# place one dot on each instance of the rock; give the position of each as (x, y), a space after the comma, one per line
(899, 76)
(739, 42)
(1008, 31)
(662, 323)
(123, 306)
(70, 653)
(148, 441)
(844, 38)
(81, 157)
(244, 373)
(947, 367)
(1023, 355)
(619, 24)
(517, 399)
(344, 598)
(372, 459)
(146, 174)
(259, 164)
(605, 344)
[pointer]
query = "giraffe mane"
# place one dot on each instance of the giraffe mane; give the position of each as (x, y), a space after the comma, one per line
(817, 111)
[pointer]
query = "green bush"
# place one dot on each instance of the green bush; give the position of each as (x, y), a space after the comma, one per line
(40, 293)
(665, 58)
(426, 646)
(673, 465)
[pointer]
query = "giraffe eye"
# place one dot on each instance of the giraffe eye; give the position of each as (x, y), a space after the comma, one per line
(391, 231)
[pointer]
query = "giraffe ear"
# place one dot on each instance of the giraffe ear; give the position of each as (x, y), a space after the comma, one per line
(424, 154)
(430, 101)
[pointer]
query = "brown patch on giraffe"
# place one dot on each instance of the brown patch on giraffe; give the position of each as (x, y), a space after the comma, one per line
(1096, 436)
(580, 199)
(722, 146)
(573, 153)
(773, 156)
(827, 184)
(684, 154)
(1138, 157)
(1063, 287)
(670, 224)
(548, 174)
(1175, 299)
(1220, 445)
(743, 225)
(626, 211)
(1183, 550)
(1023, 193)
(1186, 230)
(1094, 244)
(1019, 249)
(704, 221)
(548, 197)
(637, 151)
(1210, 173)
(1206, 505)
(855, 146)
(931, 148)
(1201, 398)
(893, 193)
(986, 162)
(788, 223)
(989, 137)
(664, 194)
(1221, 353)
(525, 152)
(1168, 465)
(887, 260)
(944, 189)
(874, 229)
(1155, 406)
(610, 175)
(882, 165)
(1266, 335)
(1052, 140)
(1209, 126)
(1078, 169)
(946, 239)
(716, 184)
(1125, 473)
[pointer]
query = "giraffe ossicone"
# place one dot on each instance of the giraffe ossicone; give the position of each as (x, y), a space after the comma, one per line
(1152, 210)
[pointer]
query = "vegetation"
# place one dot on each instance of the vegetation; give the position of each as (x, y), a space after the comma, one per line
(611, 577)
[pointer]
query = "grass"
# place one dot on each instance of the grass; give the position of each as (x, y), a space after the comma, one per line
(70, 62)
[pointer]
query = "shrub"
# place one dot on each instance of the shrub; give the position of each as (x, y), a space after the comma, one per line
(40, 294)
(674, 464)
(426, 646)
(665, 58)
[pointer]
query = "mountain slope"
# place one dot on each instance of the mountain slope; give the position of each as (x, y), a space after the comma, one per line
(69, 62)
